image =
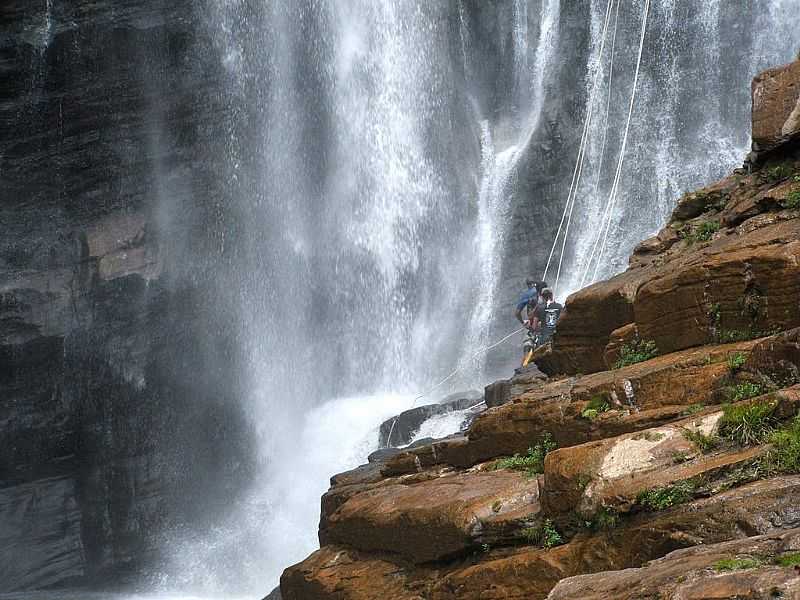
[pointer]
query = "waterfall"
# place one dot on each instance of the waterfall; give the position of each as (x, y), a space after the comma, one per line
(379, 166)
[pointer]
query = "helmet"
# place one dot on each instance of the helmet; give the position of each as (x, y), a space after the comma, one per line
(530, 282)
(547, 293)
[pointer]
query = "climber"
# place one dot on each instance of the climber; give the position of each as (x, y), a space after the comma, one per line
(528, 300)
(546, 316)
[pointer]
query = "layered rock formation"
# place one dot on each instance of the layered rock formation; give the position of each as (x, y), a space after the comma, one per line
(109, 366)
(660, 459)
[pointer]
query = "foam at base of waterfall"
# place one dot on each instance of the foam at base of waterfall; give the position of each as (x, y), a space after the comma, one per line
(276, 524)
(440, 426)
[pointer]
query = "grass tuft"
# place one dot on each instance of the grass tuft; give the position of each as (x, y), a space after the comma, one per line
(736, 361)
(788, 560)
(533, 462)
(736, 564)
(745, 391)
(784, 455)
(544, 535)
(666, 497)
(792, 200)
(636, 352)
(597, 405)
(705, 443)
(747, 424)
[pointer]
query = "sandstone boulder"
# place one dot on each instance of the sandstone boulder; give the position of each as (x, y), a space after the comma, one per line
(429, 520)
(748, 568)
(776, 107)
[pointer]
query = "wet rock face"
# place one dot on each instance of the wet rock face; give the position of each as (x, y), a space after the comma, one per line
(776, 107)
(105, 380)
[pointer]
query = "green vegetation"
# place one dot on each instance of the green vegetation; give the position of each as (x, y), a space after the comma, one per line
(792, 200)
(736, 361)
(666, 497)
(532, 463)
(496, 506)
(604, 519)
(650, 436)
(747, 424)
(693, 409)
(702, 232)
(788, 560)
(544, 535)
(636, 352)
(745, 391)
(681, 457)
(777, 173)
(705, 443)
(597, 405)
(784, 456)
(737, 564)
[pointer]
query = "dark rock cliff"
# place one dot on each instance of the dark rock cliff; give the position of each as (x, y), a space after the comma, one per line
(111, 362)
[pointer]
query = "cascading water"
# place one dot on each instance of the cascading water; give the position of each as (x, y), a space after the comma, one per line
(374, 224)
(689, 122)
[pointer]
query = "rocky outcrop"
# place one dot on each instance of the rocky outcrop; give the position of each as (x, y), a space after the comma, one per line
(758, 567)
(403, 427)
(113, 404)
(663, 443)
(776, 107)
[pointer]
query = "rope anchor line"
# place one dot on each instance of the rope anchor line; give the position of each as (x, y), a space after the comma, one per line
(450, 376)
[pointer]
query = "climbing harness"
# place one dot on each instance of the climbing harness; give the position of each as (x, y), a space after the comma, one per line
(453, 374)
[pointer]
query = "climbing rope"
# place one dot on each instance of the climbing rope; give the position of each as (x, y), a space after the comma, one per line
(615, 187)
(604, 145)
(577, 172)
(453, 374)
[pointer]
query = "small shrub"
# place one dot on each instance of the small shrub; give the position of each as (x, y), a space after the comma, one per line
(700, 233)
(666, 497)
(544, 535)
(496, 506)
(736, 361)
(532, 463)
(597, 405)
(777, 173)
(693, 409)
(736, 564)
(784, 456)
(604, 519)
(650, 436)
(747, 424)
(792, 200)
(788, 560)
(705, 443)
(636, 352)
(745, 391)
(681, 457)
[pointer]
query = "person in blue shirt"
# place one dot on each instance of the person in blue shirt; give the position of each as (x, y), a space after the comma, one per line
(529, 300)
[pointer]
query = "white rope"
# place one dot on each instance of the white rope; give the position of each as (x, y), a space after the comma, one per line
(588, 264)
(576, 174)
(618, 176)
(453, 374)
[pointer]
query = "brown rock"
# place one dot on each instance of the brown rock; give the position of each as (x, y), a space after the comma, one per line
(333, 573)
(610, 473)
(694, 574)
(526, 575)
(641, 396)
(776, 106)
(618, 338)
(430, 520)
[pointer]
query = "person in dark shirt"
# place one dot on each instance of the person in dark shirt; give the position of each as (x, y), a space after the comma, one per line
(546, 316)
